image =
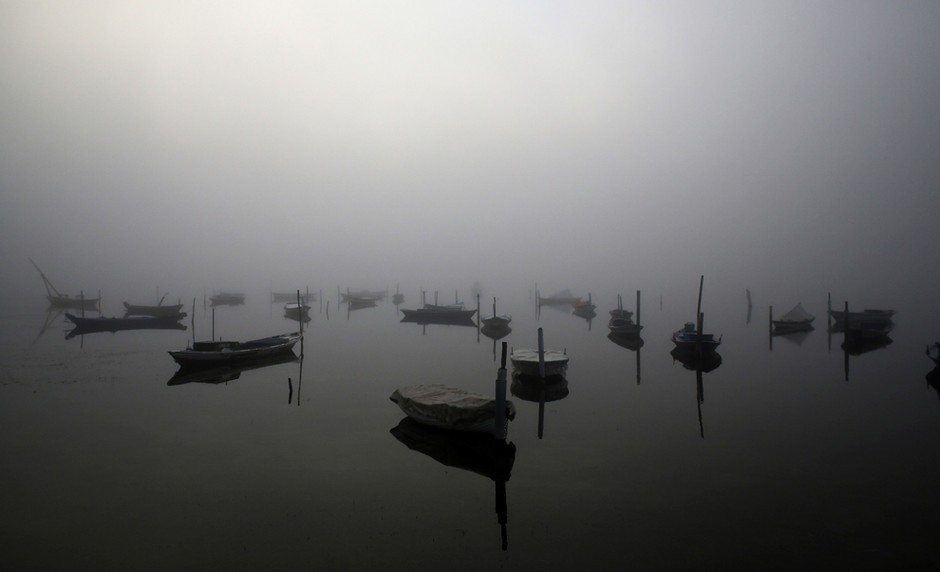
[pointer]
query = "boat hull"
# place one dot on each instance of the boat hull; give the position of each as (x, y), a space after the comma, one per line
(155, 311)
(526, 362)
(451, 408)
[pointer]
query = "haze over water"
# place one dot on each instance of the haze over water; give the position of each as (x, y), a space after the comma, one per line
(607, 147)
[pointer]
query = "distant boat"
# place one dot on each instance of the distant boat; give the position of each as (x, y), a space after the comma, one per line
(437, 313)
(398, 297)
(278, 297)
(495, 320)
(214, 353)
(296, 311)
(796, 320)
(619, 312)
(374, 295)
(688, 338)
(59, 300)
(88, 325)
(584, 308)
(563, 298)
(158, 311)
(227, 299)
(451, 408)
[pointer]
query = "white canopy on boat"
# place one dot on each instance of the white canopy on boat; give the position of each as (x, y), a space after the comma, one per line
(797, 314)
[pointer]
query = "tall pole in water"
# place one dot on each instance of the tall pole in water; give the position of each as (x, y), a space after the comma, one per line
(541, 355)
(500, 429)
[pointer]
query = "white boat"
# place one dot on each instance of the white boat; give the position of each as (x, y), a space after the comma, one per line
(526, 362)
(796, 320)
(451, 408)
(296, 311)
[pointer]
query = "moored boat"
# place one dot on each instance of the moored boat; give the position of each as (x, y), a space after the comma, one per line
(796, 320)
(213, 353)
(227, 299)
(688, 338)
(450, 408)
(495, 320)
(88, 325)
(624, 327)
(863, 316)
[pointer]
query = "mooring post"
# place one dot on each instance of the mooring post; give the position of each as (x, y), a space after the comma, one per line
(770, 328)
(500, 429)
(541, 355)
(638, 312)
(213, 323)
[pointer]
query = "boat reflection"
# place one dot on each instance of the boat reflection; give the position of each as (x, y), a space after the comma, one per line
(700, 363)
(495, 333)
(477, 453)
(631, 342)
(226, 373)
(539, 390)
(439, 320)
(85, 326)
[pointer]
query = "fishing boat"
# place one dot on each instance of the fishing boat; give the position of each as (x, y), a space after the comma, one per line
(796, 320)
(374, 295)
(494, 320)
(278, 297)
(88, 325)
(450, 408)
(58, 300)
(227, 299)
(158, 311)
(214, 353)
(619, 311)
(688, 338)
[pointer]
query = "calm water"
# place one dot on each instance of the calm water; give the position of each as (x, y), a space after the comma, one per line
(787, 461)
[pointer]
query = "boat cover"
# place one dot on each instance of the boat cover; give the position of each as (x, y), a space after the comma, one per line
(797, 314)
(447, 406)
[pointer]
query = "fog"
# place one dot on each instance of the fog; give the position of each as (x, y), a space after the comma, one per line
(787, 147)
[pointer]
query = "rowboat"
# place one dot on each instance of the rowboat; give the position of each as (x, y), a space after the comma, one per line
(562, 298)
(494, 320)
(624, 327)
(296, 311)
(435, 313)
(526, 362)
(688, 338)
(450, 408)
(213, 353)
(157, 311)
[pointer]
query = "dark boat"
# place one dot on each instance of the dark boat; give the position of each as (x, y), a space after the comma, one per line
(688, 339)
(88, 325)
(434, 314)
(211, 354)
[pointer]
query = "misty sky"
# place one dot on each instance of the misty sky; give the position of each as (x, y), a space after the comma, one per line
(372, 141)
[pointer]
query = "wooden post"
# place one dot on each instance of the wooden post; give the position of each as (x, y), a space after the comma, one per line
(192, 321)
(213, 323)
(638, 311)
(300, 323)
(770, 328)
(500, 429)
(541, 350)
(698, 338)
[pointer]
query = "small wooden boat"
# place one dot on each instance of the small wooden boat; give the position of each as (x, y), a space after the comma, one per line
(796, 320)
(296, 311)
(88, 325)
(688, 338)
(431, 312)
(450, 407)
(214, 353)
(619, 312)
(227, 299)
(158, 311)
(624, 327)
(495, 320)
(526, 362)
(374, 295)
